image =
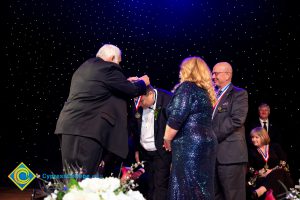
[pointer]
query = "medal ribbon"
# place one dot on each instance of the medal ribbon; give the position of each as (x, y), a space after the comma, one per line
(265, 154)
(137, 103)
(219, 99)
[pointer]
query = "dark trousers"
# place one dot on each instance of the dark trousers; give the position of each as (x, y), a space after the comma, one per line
(230, 182)
(81, 152)
(157, 175)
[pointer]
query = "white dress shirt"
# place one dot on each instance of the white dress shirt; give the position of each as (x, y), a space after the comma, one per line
(147, 129)
(262, 123)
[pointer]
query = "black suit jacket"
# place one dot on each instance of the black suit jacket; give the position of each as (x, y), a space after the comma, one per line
(228, 125)
(163, 99)
(96, 106)
(273, 130)
(276, 154)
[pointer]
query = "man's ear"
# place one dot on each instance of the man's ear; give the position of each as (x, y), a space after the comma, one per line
(112, 58)
(150, 92)
(108, 58)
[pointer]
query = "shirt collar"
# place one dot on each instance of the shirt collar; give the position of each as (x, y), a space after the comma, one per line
(226, 86)
(262, 121)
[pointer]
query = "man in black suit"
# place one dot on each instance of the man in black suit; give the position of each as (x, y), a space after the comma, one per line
(94, 117)
(264, 121)
(229, 116)
(151, 123)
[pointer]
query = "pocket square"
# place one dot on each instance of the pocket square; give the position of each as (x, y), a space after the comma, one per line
(225, 103)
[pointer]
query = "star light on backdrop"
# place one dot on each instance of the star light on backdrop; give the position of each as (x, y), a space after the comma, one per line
(46, 41)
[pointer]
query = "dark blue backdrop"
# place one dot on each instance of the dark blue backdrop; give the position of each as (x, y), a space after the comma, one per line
(45, 41)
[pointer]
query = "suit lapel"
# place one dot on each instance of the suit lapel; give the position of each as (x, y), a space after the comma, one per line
(223, 100)
(158, 106)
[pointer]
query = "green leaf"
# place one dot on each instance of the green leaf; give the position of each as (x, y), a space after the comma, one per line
(60, 195)
(74, 184)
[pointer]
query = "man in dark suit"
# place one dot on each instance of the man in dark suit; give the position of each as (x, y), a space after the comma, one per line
(151, 123)
(229, 116)
(95, 115)
(264, 121)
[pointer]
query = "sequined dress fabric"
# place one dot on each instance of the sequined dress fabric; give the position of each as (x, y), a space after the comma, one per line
(194, 146)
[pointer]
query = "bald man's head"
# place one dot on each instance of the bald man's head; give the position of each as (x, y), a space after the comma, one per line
(225, 66)
(222, 74)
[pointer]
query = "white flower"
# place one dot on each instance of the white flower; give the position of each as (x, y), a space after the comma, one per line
(49, 198)
(52, 196)
(113, 196)
(135, 195)
(100, 185)
(81, 195)
(100, 189)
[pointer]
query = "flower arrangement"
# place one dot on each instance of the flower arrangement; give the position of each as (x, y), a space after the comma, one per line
(109, 188)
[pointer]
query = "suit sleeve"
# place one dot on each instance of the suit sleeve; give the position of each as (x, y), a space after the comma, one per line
(117, 83)
(237, 117)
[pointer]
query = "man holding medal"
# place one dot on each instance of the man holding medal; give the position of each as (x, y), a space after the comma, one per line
(228, 120)
(151, 123)
(94, 117)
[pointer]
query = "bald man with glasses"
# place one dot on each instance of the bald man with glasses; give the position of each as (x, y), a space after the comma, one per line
(228, 120)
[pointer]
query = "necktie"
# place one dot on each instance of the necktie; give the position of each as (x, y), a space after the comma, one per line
(219, 93)
(265, 126)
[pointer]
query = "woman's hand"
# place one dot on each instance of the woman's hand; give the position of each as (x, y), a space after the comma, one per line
(267, 173)
(167, 145)
(264, 172)
(168, 137)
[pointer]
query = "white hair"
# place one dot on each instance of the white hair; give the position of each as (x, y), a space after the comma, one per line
(108, 50)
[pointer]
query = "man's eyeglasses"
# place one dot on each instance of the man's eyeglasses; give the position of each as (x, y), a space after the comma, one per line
(217, 73)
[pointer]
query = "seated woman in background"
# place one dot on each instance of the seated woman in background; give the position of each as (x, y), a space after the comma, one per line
(268, 165)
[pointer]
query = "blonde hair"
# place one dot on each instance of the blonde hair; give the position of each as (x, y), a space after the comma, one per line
(195, 69)
(262, 133)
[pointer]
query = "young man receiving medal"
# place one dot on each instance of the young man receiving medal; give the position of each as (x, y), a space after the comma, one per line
(151, 120)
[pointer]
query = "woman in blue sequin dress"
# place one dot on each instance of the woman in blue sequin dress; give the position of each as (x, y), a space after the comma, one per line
(189, 133)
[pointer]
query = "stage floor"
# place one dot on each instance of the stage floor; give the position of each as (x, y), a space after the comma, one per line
(15, 194)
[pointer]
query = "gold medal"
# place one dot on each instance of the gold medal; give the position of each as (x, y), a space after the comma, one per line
(266, 166)
(137, 115)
